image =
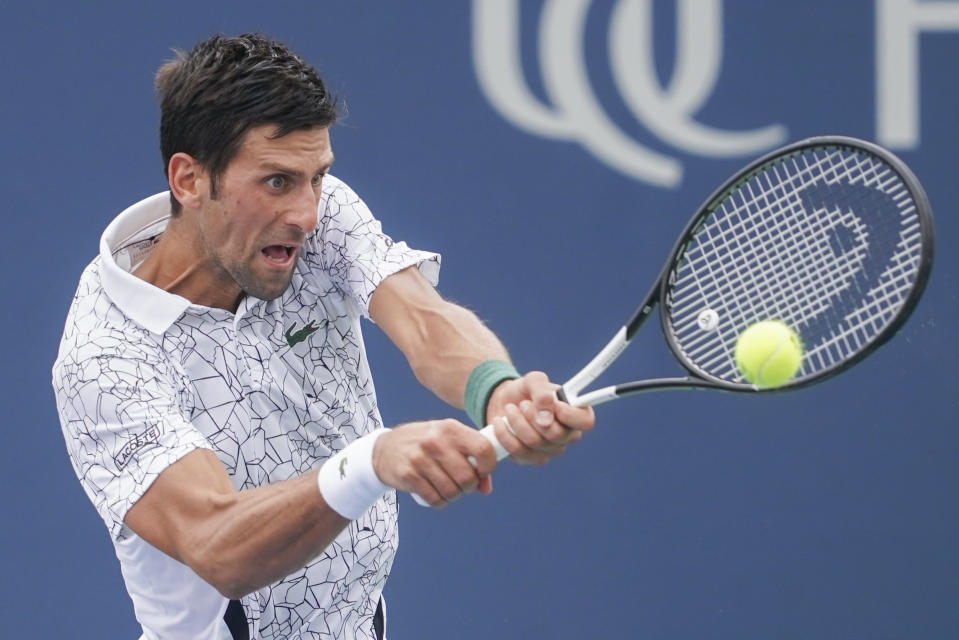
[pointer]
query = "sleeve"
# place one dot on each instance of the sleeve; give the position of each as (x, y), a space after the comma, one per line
(350, 246)
(124, 422)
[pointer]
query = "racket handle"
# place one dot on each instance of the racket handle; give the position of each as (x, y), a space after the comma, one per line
(501, 452)
(488, 433)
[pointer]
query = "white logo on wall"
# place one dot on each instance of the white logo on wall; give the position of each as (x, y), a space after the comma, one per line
(899, 23)
(574, 114)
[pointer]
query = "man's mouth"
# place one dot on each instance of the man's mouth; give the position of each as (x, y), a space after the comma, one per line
(280, 255)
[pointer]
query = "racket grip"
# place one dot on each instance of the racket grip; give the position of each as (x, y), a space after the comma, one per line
(501, 452)
(488, 433)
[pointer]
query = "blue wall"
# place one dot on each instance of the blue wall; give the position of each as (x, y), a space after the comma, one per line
(827, 513)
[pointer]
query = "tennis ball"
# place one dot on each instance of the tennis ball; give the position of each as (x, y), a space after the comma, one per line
(768, 353)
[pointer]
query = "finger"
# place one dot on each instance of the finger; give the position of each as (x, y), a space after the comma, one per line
(436, 486)
(578, 418)
(486, 485)
(459, 468)
(481, 452)
(505, 434)
(480, 458)
(542, 394)
(447, 484)
(537, 449)
(446, 477)
(510, 440)
(424, 490)
(552, 432)
(463, 454)
(444, 480)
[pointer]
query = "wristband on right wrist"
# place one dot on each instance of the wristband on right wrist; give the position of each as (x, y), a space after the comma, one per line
(347, 480)
(479, 387)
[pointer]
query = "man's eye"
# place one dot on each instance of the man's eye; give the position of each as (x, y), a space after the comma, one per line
(277, 182)
(317, 180)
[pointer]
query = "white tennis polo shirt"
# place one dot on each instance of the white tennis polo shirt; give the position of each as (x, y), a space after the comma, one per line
(143, 377)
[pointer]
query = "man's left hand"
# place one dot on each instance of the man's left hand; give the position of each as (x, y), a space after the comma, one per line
(531, 423)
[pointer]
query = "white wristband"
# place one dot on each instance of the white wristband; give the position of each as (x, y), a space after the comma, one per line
(347, 480)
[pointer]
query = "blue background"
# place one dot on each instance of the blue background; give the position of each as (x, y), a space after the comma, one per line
(825, 513)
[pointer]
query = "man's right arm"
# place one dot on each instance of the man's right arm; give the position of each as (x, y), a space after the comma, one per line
(240, 541)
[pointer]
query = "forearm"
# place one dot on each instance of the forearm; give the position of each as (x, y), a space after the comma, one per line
(238, 541)
(453, 342)
(253, 538)
(442, 341)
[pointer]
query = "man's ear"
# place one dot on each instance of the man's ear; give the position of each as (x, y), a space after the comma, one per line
(188, 180)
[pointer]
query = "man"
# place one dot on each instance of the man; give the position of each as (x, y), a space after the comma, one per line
(212, 383)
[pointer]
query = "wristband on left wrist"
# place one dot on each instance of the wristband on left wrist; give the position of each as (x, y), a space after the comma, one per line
(483, 380)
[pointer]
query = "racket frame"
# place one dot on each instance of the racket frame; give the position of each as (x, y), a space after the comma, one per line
(698, 379)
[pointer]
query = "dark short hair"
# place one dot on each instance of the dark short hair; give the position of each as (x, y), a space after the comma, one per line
(211, 96)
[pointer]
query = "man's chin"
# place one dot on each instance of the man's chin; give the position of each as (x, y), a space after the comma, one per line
(268, 290)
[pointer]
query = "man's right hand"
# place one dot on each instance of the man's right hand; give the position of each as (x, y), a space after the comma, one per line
(432, 459)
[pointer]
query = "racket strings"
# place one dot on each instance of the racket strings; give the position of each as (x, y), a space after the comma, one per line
(827, 240)
(746, 269)
(765, 241)
(839, 276)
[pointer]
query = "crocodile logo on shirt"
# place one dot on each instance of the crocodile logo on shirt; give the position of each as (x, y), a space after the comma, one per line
(343, 468)
(298, 336)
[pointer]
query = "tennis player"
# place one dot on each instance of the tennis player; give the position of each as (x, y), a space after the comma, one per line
(212, 383)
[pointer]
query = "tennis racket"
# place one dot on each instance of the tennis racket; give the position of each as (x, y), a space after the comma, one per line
(831, 235)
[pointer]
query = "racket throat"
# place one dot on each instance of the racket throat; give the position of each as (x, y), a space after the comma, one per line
(595, 397)
(596, 366)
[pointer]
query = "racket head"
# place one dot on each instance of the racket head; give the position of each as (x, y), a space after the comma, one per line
(831, 235)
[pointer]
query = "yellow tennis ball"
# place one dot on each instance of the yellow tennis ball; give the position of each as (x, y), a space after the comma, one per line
(768, 353)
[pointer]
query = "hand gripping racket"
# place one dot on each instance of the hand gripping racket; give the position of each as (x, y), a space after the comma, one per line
(831, 235)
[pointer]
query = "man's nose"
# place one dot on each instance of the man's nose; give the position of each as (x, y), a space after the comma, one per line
(303, 214)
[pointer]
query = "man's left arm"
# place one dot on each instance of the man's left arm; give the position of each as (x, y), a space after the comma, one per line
(443, 342)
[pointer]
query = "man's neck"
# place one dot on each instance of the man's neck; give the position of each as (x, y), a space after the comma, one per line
(179, 265)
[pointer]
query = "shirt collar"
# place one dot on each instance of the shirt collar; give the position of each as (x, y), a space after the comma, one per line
(124, 244)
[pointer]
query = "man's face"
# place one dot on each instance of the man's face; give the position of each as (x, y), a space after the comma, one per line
(266, 205)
